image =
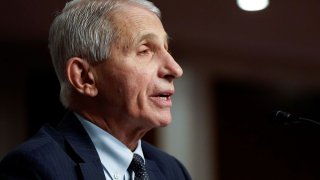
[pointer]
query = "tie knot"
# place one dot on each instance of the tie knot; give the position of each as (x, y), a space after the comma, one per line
(138, 167)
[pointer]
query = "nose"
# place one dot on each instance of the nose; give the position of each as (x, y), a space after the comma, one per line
(170, 69)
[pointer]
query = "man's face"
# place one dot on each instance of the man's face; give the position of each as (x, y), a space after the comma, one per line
(136, 83)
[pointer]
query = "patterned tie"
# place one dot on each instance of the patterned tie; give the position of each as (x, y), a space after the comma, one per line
(138, 167)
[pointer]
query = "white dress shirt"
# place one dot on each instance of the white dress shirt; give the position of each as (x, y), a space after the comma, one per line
(114, 155)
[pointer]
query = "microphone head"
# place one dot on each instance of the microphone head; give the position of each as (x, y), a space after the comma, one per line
(284, 118)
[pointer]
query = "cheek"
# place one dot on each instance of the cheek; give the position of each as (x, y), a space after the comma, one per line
(139, 87)
(130, 88)
(139, 81)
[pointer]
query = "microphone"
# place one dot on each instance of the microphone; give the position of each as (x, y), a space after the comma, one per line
(287, 118)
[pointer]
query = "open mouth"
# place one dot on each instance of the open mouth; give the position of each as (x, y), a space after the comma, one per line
(165, 97)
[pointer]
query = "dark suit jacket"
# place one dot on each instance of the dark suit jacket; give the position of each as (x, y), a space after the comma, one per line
(67, 153)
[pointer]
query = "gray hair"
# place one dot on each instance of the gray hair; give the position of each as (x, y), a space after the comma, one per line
(85, 29)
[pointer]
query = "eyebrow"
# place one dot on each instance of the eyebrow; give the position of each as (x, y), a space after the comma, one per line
(150, 36)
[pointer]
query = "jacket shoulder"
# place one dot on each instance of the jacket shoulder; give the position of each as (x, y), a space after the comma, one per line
(45, 140)
(36, 158)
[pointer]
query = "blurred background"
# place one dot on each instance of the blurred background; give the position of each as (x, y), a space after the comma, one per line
(239, 66)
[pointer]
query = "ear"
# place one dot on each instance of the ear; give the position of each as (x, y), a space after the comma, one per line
(81, 77)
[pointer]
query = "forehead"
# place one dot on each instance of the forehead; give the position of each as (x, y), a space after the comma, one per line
(135, 23)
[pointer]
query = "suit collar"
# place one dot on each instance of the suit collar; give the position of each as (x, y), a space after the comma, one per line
(80, 147)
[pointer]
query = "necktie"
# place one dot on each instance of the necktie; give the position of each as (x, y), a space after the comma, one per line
(138, 167)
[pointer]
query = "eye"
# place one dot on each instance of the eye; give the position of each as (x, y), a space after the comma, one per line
(144, 50)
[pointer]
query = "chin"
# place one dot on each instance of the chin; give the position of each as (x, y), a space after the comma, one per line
(155, 120)
(165, 121)
(161, 122)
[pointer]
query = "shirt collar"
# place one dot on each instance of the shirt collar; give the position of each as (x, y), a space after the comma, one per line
(114, 155)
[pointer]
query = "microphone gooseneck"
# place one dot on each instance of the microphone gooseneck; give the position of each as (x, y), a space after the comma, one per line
(288, 118)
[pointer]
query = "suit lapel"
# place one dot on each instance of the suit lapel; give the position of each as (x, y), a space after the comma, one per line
(80, 148)
(91, 171)
(153, 170)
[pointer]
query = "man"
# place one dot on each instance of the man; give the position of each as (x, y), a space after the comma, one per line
(116, 75)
